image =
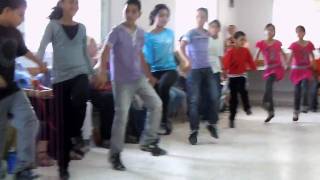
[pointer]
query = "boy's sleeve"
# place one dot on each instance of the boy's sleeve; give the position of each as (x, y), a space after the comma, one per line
(46, 39)
(250, 61)
(112, 38)
(187, 37)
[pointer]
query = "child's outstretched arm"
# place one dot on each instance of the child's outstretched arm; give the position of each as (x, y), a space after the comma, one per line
(146, 70)
(33, 58)
(101, 68)
(185, 61)
(251, 62)
(284, 59)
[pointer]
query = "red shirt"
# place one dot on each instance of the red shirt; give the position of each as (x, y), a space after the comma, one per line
(238, 61)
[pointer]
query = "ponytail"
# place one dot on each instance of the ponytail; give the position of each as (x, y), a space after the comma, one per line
(57, 12)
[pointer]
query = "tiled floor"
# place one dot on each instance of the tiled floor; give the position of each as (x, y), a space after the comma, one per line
(281, 150)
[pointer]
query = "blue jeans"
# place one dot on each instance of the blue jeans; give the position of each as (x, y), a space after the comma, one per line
(26, 123)
(200, 80)
(177, 97)
(123, 96)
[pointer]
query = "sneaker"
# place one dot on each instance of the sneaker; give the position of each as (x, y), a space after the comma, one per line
(26, 175)
(64, 174)
(305, 109)
(165, 129)
(295, 116)
(249, 112)
(116, 162)
(213, 131)
(270, 116)
(154, 149)
(193, 138)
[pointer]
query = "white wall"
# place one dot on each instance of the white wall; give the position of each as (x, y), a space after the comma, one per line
(114, 10)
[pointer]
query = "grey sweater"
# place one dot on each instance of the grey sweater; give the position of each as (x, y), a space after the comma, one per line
(70, 57)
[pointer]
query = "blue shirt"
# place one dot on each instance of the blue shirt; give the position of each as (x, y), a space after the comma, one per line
(159, 50)
(197, 48)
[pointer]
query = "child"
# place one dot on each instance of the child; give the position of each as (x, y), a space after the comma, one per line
(194, 49)
(236, 64)
(315, 86)
(71, 67)
(230, 42)
(128, 70)
(12, 99)
(274, 70)
(301, 70)
(159, 53)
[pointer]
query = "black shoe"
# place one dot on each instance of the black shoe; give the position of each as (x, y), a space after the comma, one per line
(166, 129)
(26, 175)
(116, 162)
(213, 131)
(232, 124)
(154, 149)
(270, 116)
(249, 112)
(193, 138)
(295, 117)
(64, 174)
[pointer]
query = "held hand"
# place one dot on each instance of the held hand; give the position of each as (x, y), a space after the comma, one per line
(45, 94)
(3, 83)
(152, 80)
(100, 79)
(43, 68)
(185, 67)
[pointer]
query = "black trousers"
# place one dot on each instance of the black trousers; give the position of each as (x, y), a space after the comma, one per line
(237, 86)
(166, 80)
(70, 99)
(103, 101)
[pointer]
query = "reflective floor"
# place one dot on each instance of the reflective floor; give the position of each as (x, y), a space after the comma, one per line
(281, 150)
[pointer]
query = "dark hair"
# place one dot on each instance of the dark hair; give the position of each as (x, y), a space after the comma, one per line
(216, 22)
(156, 11)
(13, 4)
(205, 10)
(270, 25)
(135, 3)
(238, 34)
(57, 12)
(301, 28)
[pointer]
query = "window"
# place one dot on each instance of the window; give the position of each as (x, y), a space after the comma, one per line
(185, 14)
(287, 14)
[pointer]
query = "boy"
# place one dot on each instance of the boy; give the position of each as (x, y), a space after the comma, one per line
(128, 70)
(194, 49)
(12, 99)
(236, 63)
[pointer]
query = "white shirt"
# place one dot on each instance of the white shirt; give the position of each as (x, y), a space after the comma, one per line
(216, 47)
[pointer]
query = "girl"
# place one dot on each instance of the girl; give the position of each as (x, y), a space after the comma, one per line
(194, 51)
(301, 70)
(274, 70)
(71, 67)
(159, 53)
(236, 62)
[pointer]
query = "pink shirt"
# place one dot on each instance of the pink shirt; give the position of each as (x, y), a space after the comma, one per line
(301, 65)
(272, 58)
